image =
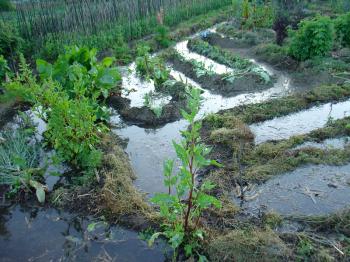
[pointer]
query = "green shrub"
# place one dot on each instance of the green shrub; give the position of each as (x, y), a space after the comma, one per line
(10, 41)
(73, 132)
(313, 38)
(181, 218)
(50, 49)
(342, 29)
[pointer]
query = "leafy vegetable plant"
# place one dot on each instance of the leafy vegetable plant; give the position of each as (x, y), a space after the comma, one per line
(74, 125)
(182, 210)
(20, 160)
(79, 73)
(151, 67)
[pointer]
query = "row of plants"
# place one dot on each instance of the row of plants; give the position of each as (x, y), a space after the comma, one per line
(240, 66)
(39, 23)
(254, 14)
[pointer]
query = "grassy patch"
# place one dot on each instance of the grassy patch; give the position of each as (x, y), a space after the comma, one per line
(275, 55)
(246, 38)
(250, 244)
(282, 106)
(272, 158)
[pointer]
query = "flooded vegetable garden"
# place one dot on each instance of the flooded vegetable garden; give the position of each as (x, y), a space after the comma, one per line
(293, 160)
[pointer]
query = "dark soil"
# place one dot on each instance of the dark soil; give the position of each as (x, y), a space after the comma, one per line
(7, 112)
(144, 116)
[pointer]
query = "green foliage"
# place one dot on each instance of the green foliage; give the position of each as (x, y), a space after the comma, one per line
(342, 29)
(6, 5)
(73, 132)
(4, 69)
(149, 102)
(149, 67)
(313, 38)
(181, 226)
(50, 49)
(121, 49)
(256, 14)
(73, 128)
(305, 249)
(200, 69)
(162, 36)
(240, 66)
(10, 41)
(237, 7)
(219, 55)
(20, 160)
(79, 73)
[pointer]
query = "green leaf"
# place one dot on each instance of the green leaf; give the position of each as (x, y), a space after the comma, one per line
(91, 227)
(153, 238)
(39, 190)
(44, 68)
(108, 61)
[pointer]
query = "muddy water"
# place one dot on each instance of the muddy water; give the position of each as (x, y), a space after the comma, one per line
(34, 233)
(311, 190)
(331, 143)
(299, 123)
(208, 63)
(135, 88)
(40, 234)
(148, 148)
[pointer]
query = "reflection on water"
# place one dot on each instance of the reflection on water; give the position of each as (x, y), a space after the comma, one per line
(299, 123)
(149, 148)
(41, 234)
(311, 190)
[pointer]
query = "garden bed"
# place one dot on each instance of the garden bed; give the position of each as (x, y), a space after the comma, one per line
(217, 83)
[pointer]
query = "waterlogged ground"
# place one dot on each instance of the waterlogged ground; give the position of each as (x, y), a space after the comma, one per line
(310, 190)
(149, 148)
(299, 123)
(46, 234)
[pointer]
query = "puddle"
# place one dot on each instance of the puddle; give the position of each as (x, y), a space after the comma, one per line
(330, 143)
(213, 103)
(299, 123)
(311, 190)
(41, 234)
(135, 88)
(208, 63)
